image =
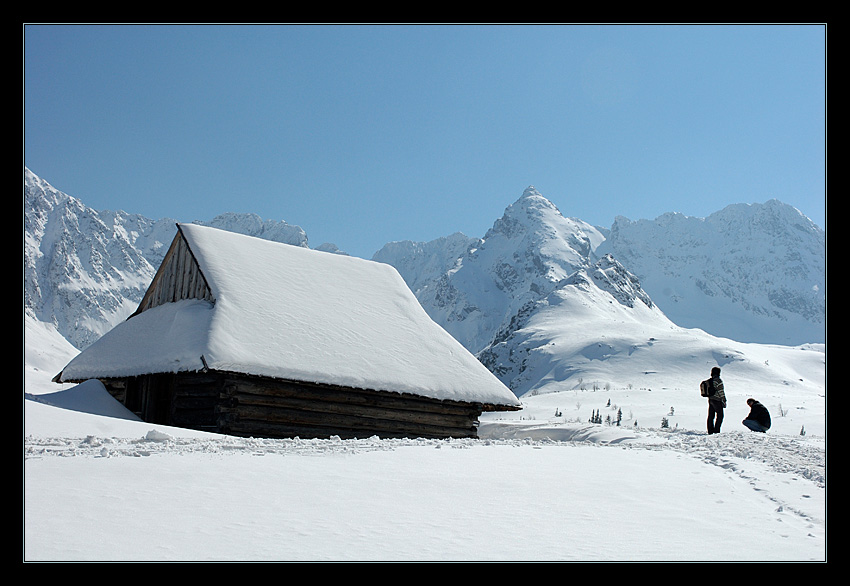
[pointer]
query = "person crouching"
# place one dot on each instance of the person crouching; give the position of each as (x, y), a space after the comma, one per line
(759, 417)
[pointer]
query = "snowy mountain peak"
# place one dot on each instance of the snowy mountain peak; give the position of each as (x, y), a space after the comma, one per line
(527, 214)
(531, 198)
(523, 257)
(751, 272)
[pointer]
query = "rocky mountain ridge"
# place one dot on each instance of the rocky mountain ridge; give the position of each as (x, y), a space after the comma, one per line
(534, 285)
(86, 270)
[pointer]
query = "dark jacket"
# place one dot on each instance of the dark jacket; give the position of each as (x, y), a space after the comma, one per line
(759, 413)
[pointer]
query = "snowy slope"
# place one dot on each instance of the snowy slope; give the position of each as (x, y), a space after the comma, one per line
(542, 484)
(580, 336)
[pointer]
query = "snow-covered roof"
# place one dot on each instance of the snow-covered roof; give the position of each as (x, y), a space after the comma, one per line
(298, 314)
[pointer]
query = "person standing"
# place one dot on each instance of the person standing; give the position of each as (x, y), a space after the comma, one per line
(759, 417)
(716, 401)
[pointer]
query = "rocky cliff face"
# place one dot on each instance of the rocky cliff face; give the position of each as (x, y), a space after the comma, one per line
(84, 271)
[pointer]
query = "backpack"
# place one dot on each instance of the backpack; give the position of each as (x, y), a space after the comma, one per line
(706, 389)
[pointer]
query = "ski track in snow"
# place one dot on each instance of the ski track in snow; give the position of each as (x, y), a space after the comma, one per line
(763, 460)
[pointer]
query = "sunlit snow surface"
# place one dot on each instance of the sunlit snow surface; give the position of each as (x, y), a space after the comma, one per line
(536, 486)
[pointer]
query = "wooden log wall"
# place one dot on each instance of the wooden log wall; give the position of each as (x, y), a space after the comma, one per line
(250, 406)
(260, 407)
(196, 398)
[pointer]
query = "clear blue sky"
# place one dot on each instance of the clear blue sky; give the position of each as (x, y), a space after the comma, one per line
(366, 134)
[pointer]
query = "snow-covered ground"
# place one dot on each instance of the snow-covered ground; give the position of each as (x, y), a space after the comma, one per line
(539, 484)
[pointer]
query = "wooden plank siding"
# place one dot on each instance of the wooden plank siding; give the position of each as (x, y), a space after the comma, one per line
(277, 408)
(252, 406)
(177, 278)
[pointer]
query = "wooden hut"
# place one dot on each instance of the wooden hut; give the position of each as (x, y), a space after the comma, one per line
(249, 337)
